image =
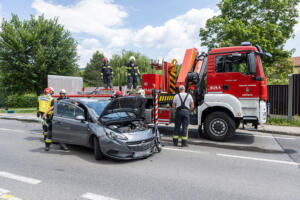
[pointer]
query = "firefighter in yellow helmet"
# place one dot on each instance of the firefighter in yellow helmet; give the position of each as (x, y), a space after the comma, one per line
(44, 103)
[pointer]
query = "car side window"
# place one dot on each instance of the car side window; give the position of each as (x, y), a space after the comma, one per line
(68, 110)
(228, 63)
(79, 112)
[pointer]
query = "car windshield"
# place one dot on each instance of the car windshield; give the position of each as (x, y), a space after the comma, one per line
(118, 116)
(97, 106)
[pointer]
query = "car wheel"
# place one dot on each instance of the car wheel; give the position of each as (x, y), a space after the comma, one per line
(219, 126)
(97, 151)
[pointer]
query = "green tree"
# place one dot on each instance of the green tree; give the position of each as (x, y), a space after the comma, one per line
(91, 74)
(268, 23)
(119, 63)
(32, 49)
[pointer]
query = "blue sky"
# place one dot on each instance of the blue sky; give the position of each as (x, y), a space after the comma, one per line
(156, 28)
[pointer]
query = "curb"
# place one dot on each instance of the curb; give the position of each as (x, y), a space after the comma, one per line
(19, 119)
(226, 146)
(278, 132)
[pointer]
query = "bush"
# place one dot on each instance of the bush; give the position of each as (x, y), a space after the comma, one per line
(21, 101)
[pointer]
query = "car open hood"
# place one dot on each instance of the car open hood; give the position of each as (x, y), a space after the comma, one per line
(126, 104)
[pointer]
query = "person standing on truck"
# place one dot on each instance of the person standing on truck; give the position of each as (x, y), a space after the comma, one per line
(107, 73)
(183, 103)
(132, 73)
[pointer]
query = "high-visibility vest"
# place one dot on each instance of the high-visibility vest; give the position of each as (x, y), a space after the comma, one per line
(45, 104)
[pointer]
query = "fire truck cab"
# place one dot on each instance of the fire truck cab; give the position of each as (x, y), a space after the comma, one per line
(228, 86)
(235, 91)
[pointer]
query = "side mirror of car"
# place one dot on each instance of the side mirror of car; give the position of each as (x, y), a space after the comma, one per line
(80, 118)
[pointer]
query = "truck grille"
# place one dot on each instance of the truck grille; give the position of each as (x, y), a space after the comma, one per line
(141, 145)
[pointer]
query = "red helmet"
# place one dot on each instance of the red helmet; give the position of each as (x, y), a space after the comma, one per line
(119, 93)
(48, 90)
(104, 60)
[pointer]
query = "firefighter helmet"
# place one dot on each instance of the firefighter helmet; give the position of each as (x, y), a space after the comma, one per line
(48, 90)
(132, 59)
(104, 60)
(119, 93)
(63, 91)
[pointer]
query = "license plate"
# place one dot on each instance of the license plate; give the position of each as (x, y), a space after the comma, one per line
(141, 153)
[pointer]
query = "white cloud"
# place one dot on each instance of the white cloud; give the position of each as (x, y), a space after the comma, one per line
(103, 20)
(178, 33)
(86, 49)
(1, 14)
(100, 18)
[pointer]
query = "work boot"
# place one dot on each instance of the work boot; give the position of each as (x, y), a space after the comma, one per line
(184, 143)
(175, 142)
(63, 147)
(47, 148)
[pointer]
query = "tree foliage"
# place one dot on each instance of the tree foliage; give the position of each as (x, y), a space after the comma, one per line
(32, 49)
(268, 23)
(91, 74)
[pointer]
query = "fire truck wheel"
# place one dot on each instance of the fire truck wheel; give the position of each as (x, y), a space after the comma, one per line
(219, 126)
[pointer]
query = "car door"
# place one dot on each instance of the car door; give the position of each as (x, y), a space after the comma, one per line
(67, 128)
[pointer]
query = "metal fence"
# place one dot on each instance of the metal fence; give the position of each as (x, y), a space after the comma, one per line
(278, 99)
(296, 94)
(285, 99)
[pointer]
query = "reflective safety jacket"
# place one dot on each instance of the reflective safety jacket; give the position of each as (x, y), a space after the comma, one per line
(132, 70)
(45, 104)
(106, 70)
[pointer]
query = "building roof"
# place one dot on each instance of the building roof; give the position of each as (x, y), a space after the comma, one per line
(296, 61)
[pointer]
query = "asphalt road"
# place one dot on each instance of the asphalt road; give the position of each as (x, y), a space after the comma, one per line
(196, 172)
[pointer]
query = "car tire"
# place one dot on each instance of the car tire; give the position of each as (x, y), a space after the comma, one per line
(219, 126)
(97, 150)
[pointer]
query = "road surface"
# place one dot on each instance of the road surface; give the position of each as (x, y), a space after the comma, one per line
(196, 172)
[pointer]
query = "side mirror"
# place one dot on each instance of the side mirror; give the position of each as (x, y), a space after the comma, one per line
(251, 63)
(80, 118)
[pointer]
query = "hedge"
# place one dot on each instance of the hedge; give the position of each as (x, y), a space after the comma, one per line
(21, 101)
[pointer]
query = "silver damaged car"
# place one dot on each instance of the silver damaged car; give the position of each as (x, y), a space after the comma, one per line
(114, 128)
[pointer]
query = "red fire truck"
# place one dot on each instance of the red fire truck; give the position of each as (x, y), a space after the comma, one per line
(228, 86)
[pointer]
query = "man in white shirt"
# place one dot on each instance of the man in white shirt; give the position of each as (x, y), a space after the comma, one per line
(183, 103)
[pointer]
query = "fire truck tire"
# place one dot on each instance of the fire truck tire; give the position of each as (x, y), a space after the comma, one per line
(219, 126)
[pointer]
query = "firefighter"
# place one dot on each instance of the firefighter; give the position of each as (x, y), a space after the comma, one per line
(183, 102)
(107, 73)
(47, 116)
(62, 95)
(44, 103)
(132, 73)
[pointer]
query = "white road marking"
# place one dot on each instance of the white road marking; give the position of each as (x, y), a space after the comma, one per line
(19, 178)
(3, 191)
(184, 150)
(266, 136)
(5, 129)
(92, 196)
(258, 159)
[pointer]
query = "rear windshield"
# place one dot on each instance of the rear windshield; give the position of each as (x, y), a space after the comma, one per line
(97, 106)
